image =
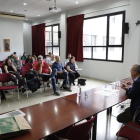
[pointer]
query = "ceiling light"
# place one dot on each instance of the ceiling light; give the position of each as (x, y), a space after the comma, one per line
(11, 11)
(24, 3)
(26, 19)
(76, 2)
(38, 15)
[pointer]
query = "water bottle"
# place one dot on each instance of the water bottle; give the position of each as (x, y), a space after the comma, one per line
(78, 90)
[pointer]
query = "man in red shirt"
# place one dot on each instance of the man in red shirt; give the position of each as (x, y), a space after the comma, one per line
(43, 68)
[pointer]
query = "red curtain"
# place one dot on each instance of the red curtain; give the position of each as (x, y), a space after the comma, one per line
(38, 40)
(75, 36)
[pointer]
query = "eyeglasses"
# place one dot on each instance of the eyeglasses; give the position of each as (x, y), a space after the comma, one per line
(132, 70)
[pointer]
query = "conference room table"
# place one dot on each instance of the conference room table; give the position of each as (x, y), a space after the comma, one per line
(97, 102)
(49, 117)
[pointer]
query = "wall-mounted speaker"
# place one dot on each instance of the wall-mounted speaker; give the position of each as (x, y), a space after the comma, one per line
(126, 28)
(59, 34)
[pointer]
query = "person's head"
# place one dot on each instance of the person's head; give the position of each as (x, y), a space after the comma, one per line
(24, 54)
(72, 59)
(29, 57)
(52, 57)
(40, 56)
(15, 53)
(69, 55)
(16, 58)
(50, 54)
(8, 62)
(40, 60)
(135, 71)
(12, 56)
(34, 55)
(57, 58)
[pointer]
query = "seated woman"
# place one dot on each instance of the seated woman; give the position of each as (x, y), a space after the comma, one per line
(34, 57)
(24, 57)
(29, 59)
(73, 74)
(10, 68)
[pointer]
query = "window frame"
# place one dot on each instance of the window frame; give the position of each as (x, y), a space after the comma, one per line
(107, 38)
(52, 37)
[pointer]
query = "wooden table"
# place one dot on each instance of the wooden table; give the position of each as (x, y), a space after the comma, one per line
(50, 117)
(97, 103)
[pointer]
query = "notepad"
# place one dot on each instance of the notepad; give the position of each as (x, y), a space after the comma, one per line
(13, 124)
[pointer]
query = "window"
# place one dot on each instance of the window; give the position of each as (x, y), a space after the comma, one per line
(103, 37)
(52, 40)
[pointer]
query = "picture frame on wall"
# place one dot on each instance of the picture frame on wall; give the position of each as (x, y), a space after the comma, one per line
(6, 45)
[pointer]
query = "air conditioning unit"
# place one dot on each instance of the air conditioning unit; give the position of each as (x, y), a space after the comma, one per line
(12, 15)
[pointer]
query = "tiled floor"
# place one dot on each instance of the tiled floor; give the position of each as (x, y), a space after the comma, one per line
(105, 130)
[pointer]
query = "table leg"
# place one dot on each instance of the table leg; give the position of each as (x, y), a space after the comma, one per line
(108, 111)
(94, 129)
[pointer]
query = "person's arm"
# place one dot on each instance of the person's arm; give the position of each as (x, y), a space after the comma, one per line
(13, 67)
(134, 91)
(20, 64)
(50, 70)
(6, 70)
(40, 69)
(68, 68)
(76, 67)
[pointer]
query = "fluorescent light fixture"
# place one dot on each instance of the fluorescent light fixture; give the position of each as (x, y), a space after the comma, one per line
(11, 11)
(76, 2)
(26, 19)
(24, 3)
(38, 15)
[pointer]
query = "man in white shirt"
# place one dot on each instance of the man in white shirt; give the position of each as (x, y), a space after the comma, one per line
(51, 61)
(49, 57)
(68, 59)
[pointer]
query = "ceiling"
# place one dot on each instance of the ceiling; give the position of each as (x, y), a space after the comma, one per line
(40, 7)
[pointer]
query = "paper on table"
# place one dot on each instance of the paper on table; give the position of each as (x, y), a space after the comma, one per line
(111, 90)
(12, 114)
(105, 93)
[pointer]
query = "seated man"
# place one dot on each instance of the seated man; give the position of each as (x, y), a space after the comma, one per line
(132, 93)
(48, 57)
(68, 59)
(73, 74)
(43, 67)
(17, 63)
(50, 62)
(61, 72)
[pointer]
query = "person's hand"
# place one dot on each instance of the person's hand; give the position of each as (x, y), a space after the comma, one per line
(74, 72)
(124, 87)
(41, 65)
(14, 76)
(61, 72)
(124, 97)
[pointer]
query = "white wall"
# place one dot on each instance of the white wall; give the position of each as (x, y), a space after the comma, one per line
(101, 69)
(27, 37)
(13, 30)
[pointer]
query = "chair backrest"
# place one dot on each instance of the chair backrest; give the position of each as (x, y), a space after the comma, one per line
(23, 62)
(5, 77)
(25, 70)
(1, 61)
(29, 65)
(2, 67)
(80, 132)
(34, 61)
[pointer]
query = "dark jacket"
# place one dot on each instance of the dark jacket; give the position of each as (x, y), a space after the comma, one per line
(34, 84)
(134, 95)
